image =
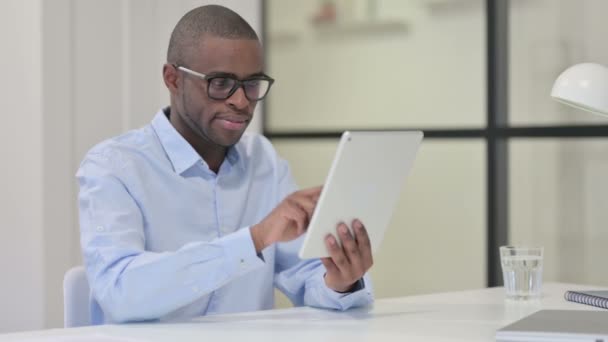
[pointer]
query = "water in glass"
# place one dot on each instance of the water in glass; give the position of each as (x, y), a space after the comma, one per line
(522, 275)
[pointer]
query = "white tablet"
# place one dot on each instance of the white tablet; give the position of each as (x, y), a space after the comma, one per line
(365, 181)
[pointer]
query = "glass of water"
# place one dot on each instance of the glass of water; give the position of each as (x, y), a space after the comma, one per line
(522, 271)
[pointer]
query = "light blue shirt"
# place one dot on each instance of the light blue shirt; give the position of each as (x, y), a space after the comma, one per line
(164, 237)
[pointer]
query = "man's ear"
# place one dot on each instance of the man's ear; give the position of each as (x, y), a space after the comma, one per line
(170, 77)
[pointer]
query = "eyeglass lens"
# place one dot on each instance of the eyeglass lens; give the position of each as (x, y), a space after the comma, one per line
(224, 87)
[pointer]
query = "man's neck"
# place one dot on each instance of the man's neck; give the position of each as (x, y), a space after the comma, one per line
(211, 153)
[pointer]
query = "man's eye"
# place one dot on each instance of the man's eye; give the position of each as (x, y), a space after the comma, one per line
(221, 82)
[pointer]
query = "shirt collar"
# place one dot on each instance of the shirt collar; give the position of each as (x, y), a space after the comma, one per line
(181, 154)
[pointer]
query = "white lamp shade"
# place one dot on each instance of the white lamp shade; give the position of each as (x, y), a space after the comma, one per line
(583, 86)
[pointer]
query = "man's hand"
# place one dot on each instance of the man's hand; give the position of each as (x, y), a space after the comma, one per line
(349, 262)
(288, 220)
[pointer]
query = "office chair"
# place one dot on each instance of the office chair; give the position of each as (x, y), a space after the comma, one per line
(76, 307)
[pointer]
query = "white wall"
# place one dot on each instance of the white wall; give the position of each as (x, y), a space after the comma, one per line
(21, 205)
(76, 72)
(59, 232)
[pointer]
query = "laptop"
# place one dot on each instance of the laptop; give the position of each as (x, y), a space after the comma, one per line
(558, 325)
(365, 182)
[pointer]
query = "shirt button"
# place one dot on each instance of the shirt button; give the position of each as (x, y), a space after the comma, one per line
(99, 228)
(195, 289)
(243, 264)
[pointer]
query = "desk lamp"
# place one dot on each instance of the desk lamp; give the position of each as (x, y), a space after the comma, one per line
(584, 86)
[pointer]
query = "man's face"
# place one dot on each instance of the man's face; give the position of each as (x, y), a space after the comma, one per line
(220, 122)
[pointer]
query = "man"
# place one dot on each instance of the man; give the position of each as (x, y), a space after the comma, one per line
(189, 216)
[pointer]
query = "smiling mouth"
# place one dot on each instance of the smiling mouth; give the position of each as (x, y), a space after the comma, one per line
(233, 124)
(234, 120)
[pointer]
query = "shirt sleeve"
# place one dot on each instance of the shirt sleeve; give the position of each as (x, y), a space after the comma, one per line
(303, 281)
(132, 284)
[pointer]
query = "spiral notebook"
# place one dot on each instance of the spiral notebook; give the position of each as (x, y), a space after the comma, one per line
(595, 298)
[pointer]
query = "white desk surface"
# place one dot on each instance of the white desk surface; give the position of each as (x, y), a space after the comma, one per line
(454, 316)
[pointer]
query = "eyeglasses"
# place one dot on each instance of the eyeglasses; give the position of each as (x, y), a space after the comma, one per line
(221, 87)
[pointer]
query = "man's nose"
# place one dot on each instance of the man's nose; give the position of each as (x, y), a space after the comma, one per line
(238, 99)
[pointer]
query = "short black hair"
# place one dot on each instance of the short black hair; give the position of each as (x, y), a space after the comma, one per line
(215, 20)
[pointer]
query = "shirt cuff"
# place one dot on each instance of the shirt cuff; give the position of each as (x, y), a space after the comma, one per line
(241, 256)
(360, 295)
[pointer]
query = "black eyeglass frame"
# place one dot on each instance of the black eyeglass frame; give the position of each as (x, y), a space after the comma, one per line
(237, 83)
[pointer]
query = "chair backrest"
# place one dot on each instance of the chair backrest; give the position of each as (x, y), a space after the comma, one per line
(76, 305)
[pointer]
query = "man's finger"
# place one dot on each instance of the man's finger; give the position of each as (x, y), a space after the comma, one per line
(351, 250)
(297, 214)
(364, 244)
(330, 266)
(337, 254)
(306, 203)
(311, 191)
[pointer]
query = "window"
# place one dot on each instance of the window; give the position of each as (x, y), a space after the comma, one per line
(475, 75)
